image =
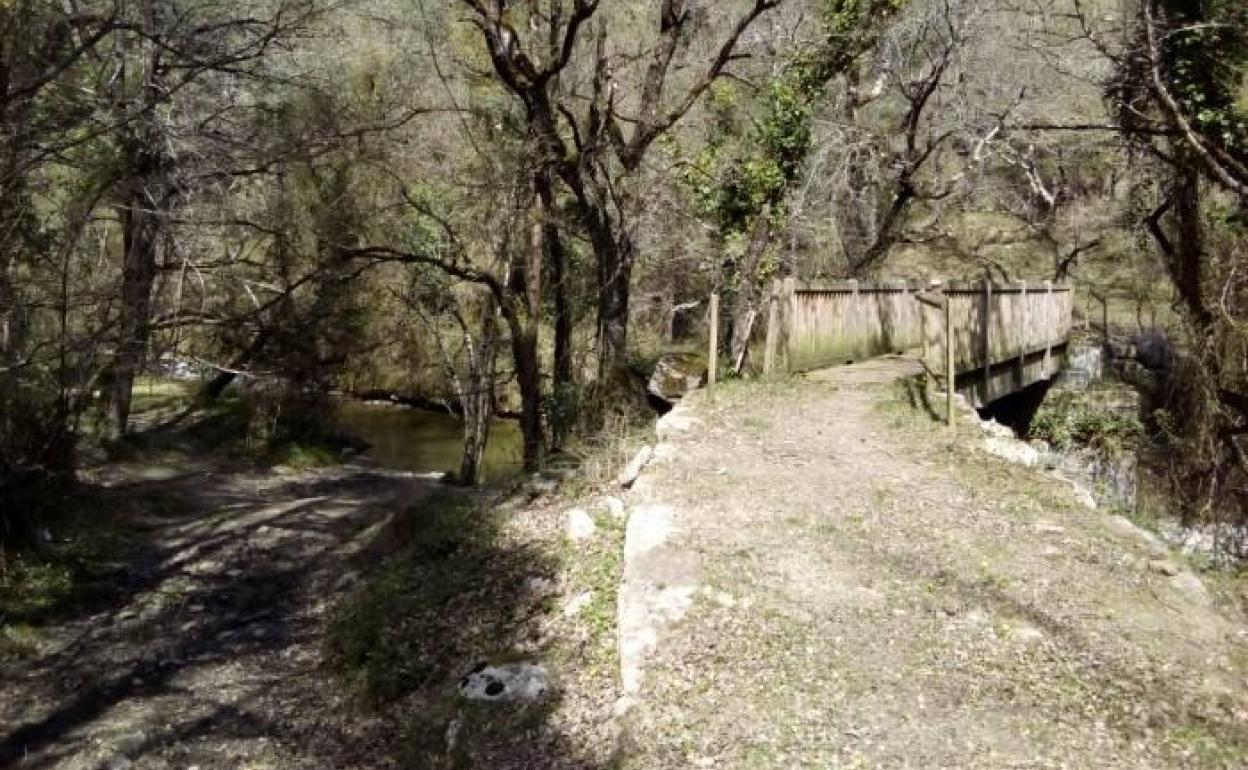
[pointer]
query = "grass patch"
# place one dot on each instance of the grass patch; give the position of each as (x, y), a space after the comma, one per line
(454, 587)
(1200, 746)
(80, 568)
(597, 567)
(18, 640)
(299, 456)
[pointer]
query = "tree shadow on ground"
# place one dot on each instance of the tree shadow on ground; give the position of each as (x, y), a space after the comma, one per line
(449, 593)
(915, 394)
(210, 649)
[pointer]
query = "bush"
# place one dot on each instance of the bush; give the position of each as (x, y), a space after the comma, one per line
(1067, 424)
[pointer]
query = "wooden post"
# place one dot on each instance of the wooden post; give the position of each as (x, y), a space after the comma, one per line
(1105, 324)
(927, 350)
(1048, 333)
(1021, 376)
(987, 341)
(929, 366)
(712, 357)
(950, 375)
(773, 332)
(788, 310)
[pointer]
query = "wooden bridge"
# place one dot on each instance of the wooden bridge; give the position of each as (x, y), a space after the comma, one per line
(995, 339)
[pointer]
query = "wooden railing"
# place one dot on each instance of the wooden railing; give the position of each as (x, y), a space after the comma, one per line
(995, 324)
(823, 324)
(992, 326)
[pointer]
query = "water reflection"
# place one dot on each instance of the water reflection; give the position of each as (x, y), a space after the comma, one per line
(417, 440)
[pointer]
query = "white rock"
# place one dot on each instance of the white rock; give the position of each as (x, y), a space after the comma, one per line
(623, 705)
(994, 428)
(664, 452)
(1013, 450)
(116, 762)
(635, 466)
(540, 485)
(648, 528)
(1027, 634)
(1192, 588)
(130, 743)
(577, 603)
(1086, 499)
(580, 525)
(1163, 567)
(614, 507)
(540, 586)
(675, 422)
(511, 682)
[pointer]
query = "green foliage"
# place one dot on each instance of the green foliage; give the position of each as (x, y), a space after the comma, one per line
(732, 189)
(1067, 424)
(1206, 63)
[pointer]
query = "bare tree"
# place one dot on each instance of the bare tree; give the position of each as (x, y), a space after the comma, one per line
(593, 147)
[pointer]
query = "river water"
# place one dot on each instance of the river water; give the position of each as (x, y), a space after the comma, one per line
(407, 439)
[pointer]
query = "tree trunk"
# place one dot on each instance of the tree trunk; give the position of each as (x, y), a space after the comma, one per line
(140, 227)
(746, 309)
(477, 397)
(529, 378)
(615, 272)
(563, 383)
(146, 193)
(1187, 258)
(211, 391)
(524, 351)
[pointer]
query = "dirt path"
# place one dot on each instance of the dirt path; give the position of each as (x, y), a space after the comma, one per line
(848, 586)
(210, 653)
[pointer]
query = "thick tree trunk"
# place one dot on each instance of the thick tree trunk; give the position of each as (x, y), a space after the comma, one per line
(529, 379)
(747, 305)
(524, 351)
(615, 273)
(145, 194)
(140, 227)
(1187, 258)
(563, 383)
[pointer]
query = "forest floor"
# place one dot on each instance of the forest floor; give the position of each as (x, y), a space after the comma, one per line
(865, 589)
(203, 612)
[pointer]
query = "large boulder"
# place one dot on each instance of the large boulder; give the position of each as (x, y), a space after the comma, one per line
(676, 374)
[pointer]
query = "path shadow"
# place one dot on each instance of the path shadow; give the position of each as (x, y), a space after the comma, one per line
(249, 609)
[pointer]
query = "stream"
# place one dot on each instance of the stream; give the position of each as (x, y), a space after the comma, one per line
(408, 439)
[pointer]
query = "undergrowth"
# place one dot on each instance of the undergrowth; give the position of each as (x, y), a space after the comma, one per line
(1067, 423)
(450, 593)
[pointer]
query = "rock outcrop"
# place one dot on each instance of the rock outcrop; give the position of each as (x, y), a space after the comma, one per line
(676, 374)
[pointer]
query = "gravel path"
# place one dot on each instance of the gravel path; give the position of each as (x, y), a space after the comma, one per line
(866, 589)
